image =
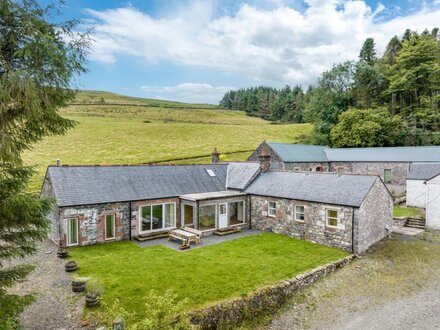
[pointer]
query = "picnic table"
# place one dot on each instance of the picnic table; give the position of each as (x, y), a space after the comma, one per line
(182, 235)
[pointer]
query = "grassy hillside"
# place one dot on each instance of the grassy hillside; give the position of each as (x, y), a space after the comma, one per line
(97, 97)
(108, 134)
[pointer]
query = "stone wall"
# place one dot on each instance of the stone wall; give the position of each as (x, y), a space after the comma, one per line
(374, 219)
(92, 222)
(313, 228)
(306, 167)
(276, 163)
(266, 300)
(54, 215)
(399, 171)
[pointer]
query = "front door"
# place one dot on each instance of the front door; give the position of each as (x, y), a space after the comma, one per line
(188, 215)
(72, 232)
(222, 215)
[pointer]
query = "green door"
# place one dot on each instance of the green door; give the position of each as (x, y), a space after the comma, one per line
(387, 175)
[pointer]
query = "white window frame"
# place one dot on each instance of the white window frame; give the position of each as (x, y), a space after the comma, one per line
(272, 208)
(67, 231)
(303, 212)
(114, 227)
(163, 218)
(327, 217)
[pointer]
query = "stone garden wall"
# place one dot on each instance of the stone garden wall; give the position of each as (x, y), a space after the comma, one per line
(262, 301)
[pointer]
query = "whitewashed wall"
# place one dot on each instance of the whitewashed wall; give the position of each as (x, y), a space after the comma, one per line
(433, 203)
(416, 193)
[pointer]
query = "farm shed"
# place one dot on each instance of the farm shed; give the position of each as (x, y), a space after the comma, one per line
(416, 187)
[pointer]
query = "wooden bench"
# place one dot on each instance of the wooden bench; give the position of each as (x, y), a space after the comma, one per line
(183, 240)
(151, 236)
(196, 232)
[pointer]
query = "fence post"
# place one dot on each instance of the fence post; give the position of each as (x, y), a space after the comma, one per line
(119, 323)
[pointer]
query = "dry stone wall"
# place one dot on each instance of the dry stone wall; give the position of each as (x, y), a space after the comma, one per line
(263, 301)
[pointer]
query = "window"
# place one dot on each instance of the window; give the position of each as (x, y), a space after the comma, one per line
(109, 226)
(272, 210)
(206, 217)
(387, 175)
(72, 232)
(332, 218)
(210, 172)
(158, 216)
(299, 213)
(236, 213)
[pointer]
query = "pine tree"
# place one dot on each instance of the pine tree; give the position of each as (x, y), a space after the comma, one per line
(37, 61)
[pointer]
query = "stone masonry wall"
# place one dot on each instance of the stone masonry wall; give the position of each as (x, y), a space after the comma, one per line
(306, 167)
(47, 192)
(266, 300)
(399, 171)
(92, 222)
(276, 163)
(374, 219)
(313, 228)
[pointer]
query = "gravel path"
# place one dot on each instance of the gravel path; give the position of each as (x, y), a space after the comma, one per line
(56, 306)
(396, 286)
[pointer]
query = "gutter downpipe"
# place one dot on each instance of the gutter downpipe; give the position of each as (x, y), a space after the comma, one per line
(130, 215)
(352, 231)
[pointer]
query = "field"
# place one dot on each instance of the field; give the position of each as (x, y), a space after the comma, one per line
(206, 275)
(115, 134)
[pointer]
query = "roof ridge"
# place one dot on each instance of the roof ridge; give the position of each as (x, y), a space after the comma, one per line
(321, 173)
(134, 165)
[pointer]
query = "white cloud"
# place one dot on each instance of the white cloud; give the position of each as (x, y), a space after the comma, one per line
(275, 46)
(188, 92)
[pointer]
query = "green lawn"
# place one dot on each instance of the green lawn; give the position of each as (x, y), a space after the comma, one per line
(121, 135)
(204, 275)
(401, 212)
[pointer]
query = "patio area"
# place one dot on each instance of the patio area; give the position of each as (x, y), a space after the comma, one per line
(204, 241)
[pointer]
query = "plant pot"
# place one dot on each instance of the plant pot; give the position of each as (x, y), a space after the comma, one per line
(92, 300)
(62, 253)
(78, 286)
(71, 266)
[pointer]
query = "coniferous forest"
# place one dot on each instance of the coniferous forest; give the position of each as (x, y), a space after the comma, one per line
(387, 100)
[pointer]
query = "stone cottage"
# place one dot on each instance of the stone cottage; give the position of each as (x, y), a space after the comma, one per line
(98, 204)
(390, 163)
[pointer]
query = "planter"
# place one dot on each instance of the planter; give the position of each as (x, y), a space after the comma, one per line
(62, 253)
(71, 266)
(92, 300)
(78, 285)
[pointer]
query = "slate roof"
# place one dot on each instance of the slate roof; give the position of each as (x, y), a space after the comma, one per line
(337, 189)
(311, 153)
(240, 174)
(85, 185)
(423, 171)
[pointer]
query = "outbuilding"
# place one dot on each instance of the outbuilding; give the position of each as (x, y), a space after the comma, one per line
(416, 187)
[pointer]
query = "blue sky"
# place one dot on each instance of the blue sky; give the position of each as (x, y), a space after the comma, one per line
(195, 50)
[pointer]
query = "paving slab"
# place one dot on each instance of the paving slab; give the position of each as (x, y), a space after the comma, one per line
(409, 231)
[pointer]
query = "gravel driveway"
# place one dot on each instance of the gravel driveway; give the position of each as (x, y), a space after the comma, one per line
(396, 286)
(56, 306)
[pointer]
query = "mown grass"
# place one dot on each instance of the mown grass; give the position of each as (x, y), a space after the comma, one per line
(205, 275)
(133, 135)
(403, 212)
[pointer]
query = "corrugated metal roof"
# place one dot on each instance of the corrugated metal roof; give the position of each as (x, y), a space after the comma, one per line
(349, 190)
(239, 174)
(311, 153)
(82, 185)
(299, 152)
(385, 154)
(423, 171)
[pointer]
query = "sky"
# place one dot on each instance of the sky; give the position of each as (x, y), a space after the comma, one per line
(196, 50)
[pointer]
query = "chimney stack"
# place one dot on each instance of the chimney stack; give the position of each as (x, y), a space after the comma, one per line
(264, 161)
(58, 162)
(215, 156)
